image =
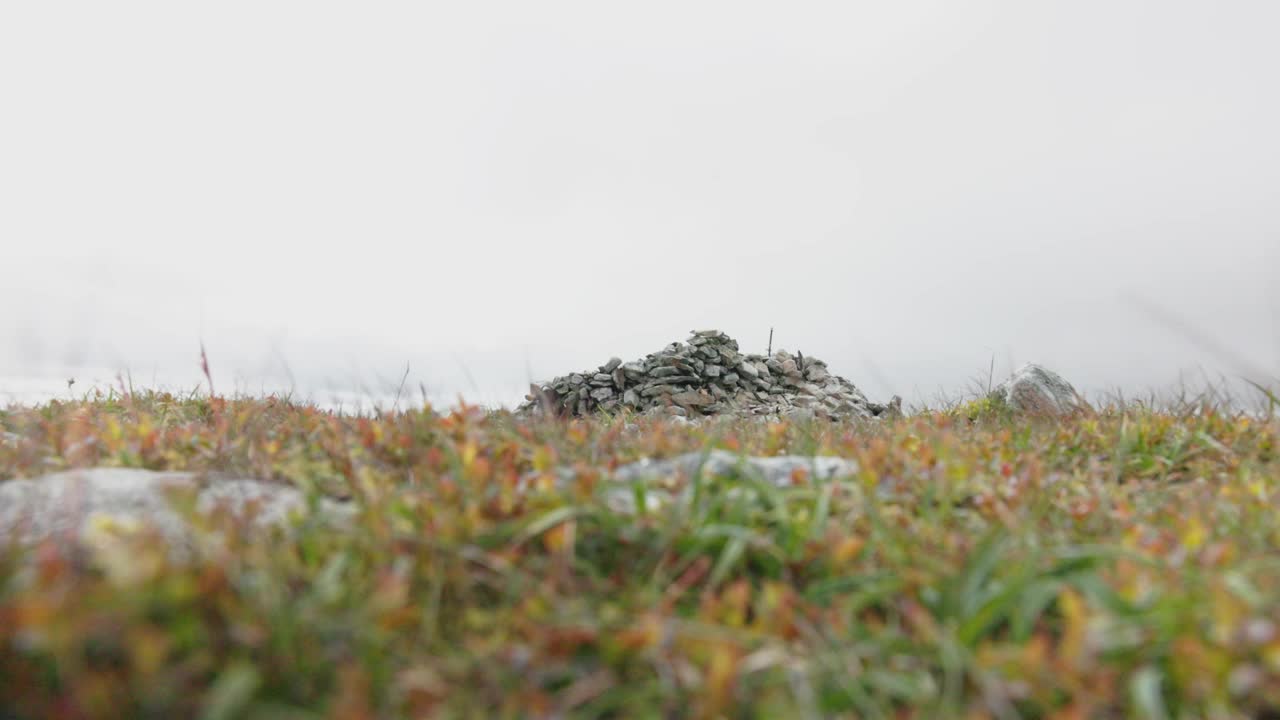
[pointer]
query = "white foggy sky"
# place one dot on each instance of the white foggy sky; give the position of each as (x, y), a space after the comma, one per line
(903, 189)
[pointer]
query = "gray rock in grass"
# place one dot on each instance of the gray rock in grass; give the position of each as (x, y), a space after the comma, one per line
(1038, 391)
(67, 506)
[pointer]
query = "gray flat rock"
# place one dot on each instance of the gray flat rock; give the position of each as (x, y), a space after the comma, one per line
(775, 470)
(64, 505)
(671, 476)
(778, 471)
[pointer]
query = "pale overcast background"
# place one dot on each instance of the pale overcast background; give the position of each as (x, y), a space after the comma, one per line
(491, 191)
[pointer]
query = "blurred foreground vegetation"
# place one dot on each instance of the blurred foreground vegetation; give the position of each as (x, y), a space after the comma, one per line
(1118, 564)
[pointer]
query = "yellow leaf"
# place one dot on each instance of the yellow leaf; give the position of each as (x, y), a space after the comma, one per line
(848, 550)
(1271, 654)
(148, 648)
(559, 539)
(469, 452)
(1258, 487)
(1228, 613)
(722, 672)
(115, 432)
(545, 482)
(1074, 634)
(1195, 534)
(543, 459)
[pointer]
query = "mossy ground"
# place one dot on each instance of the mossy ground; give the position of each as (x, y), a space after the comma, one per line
(1116, 564)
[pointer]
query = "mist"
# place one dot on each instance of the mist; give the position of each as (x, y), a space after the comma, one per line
(455, 200)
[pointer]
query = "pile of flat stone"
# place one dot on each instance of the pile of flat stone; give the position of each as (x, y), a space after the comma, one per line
(707, 375)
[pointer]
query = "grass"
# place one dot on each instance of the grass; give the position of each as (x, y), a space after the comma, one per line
(1117, 564)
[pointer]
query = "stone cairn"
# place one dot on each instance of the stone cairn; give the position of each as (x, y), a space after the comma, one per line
(708, 375)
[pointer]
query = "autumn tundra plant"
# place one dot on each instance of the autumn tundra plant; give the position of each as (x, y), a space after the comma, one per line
(1117, 563)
